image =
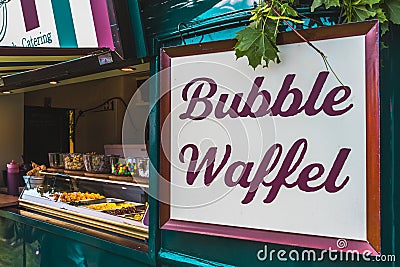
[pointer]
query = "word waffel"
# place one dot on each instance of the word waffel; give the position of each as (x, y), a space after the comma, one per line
(290, 164)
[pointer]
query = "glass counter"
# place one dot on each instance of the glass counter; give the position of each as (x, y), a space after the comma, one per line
(112, 206)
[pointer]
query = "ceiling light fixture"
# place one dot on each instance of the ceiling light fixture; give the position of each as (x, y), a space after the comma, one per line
(128, 69)
(53, 82)
(6, 92)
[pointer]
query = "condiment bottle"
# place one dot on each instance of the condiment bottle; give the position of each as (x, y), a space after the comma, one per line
(12, 178)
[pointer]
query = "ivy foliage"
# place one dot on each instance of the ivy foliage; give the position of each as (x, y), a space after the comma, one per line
(257, 41)
(360, 10)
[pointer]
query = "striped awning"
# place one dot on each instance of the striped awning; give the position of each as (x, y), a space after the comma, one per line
(21, 59)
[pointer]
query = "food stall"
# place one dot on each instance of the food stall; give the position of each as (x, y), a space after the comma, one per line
(97, 186)
(89, 188)
(97, 189)
(72, 216)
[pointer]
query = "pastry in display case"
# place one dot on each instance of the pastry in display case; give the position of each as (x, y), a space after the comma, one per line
(111, 206)
(74, 161)
(101, 166)
(97, 163)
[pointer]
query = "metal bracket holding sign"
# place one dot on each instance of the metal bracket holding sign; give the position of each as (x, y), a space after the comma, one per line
(285, 154)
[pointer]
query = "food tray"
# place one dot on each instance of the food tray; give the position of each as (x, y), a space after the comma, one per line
(80, 198)
(121, 211)
(140, 207)
(137, 216)
(113, 201)
(87, 202)
(116, 200)
(102, 206)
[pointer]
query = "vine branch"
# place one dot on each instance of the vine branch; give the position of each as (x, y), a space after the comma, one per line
(324, 57)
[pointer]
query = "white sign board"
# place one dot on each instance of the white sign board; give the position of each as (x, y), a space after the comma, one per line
(283, 149)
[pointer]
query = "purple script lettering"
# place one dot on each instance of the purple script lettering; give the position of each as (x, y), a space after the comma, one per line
(209, 176)
(197, 99)
(266, 107)
(291, 163)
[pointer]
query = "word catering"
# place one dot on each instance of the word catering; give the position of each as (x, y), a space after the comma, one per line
(37, 41)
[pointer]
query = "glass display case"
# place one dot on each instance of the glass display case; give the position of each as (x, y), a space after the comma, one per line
(107, 205)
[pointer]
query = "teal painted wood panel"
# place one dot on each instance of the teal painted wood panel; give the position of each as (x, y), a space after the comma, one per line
(244, 253)
(27, 242)
(137, 27)
(164, 16)
(11, 247)
(390, 149)
(64, 23)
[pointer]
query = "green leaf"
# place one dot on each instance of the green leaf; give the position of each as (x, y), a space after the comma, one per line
(380, 15)
(239, 53)
(288, 10)
(368, 2)
(393, 10)
(384, 27)
(361, 13)
(256, 44)
(259, 11)
(327, 3)
(383, 21)
(360, 10)
(246, 38)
